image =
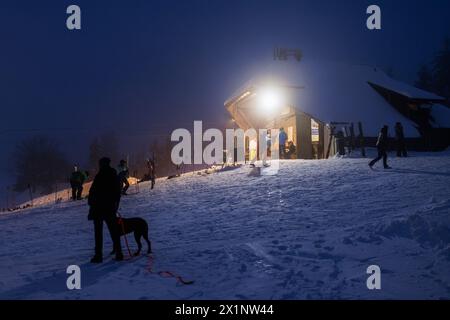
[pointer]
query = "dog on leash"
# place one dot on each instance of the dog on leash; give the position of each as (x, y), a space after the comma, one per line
(140, 229)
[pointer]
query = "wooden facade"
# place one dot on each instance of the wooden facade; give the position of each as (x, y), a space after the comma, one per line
(309, 135)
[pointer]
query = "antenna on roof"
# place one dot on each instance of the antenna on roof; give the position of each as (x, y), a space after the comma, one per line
(283, 54)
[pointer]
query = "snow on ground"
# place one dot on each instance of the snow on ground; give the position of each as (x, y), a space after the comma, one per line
(309, 232)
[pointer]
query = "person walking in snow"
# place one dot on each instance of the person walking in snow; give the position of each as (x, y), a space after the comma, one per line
(103, 200)
(151, 171)
(123, 174)
(382, 144)
(400, 141)
(77, 178)
(282, 138)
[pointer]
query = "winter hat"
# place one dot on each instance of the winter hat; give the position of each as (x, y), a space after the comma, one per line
(104, 162)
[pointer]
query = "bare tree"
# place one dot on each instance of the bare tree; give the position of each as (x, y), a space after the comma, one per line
(110, 146)
(161, 151)
(436, 77)
(441, 70)
(424, 79)
(106, 145)
(95, 153)
(39, 163)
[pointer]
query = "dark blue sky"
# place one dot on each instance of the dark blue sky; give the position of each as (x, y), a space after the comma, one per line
(141, 67)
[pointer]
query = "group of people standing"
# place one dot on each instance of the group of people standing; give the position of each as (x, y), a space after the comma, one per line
(286, 151)
(110, 184)
(104, 197)
(287, 148)
(79, 177)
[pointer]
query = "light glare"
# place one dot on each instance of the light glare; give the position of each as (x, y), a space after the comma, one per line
(269, 100)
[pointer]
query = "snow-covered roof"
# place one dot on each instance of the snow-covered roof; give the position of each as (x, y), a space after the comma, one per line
(333, 92)
(383, 80)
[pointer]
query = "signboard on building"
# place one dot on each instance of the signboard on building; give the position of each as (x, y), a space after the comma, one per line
(314, 131)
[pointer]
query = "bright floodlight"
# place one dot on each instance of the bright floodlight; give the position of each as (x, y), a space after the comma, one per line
(269, 99)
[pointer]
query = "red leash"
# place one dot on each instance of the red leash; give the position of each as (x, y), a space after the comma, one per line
(166, 274)
(120, 221)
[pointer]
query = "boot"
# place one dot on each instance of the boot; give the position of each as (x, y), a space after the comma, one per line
(97, 259)
(119, 256)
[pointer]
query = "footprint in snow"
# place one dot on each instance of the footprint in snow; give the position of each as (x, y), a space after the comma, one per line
(347, 241)
(315, 269)
(136, 273)
(288, 259)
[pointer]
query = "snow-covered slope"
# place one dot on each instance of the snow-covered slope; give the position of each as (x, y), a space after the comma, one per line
(309, 232)
(63, 193)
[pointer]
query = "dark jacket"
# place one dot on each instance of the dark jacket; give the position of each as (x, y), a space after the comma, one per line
(77, 178)
(282, 137)
(123, 172)
(382, 142)
(399, 132)
(104, 195)
(291, 150)
(151, 168)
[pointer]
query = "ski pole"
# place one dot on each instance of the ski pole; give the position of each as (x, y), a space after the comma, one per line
(31, 194)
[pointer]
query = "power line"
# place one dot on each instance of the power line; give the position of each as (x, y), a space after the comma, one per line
(121, 129)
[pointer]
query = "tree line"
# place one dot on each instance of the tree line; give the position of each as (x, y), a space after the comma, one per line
(434, 76)
(40, 164)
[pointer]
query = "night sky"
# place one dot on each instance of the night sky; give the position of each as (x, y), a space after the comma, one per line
(142, 68)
